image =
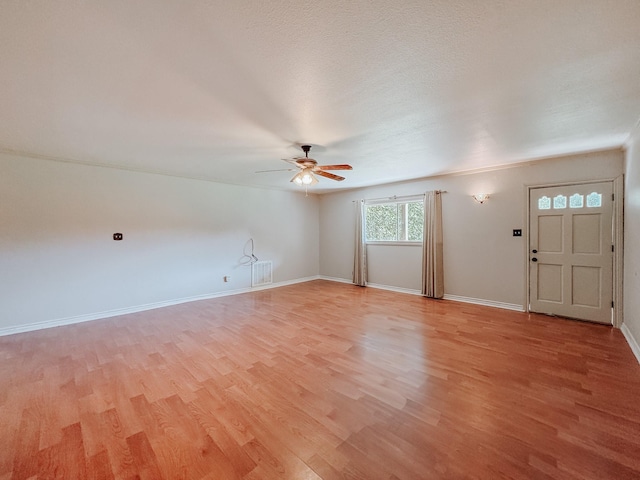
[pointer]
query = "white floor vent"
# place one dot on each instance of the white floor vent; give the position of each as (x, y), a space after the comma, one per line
(261, 273)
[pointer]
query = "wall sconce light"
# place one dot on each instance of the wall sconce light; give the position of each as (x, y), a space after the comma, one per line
(481, 197)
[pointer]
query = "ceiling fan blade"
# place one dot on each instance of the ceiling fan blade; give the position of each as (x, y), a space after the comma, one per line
(342, 166)
(278, 170)
(328, 175)
(292, 162)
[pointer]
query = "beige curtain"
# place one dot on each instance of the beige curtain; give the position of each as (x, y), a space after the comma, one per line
(432, 262)
(360, 250)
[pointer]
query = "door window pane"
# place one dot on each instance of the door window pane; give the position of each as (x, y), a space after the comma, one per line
(559, 202)
(544, 203)
(576, 201)
(594, 199)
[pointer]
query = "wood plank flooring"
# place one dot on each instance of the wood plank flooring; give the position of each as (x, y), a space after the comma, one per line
(320, 380)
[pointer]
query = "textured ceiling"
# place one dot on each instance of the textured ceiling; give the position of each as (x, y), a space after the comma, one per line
(399, 89)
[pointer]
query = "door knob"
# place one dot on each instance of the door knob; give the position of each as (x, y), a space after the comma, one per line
(534, 259)
(534, 251)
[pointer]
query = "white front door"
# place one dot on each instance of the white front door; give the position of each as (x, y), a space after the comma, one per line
(571, 251)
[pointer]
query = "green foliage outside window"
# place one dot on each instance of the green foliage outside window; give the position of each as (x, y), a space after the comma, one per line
(415, 225)
(382, 222)
(393, 222)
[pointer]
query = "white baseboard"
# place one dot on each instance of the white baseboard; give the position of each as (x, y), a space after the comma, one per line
(486, 303)
(151, 306)
(272, 285)
(631, 341)
(141, 308)
(454, 298)
(335, 279)
(374, 285)
(394, 289)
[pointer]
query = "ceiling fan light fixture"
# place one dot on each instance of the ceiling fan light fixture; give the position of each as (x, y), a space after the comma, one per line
(307, 178)
(304, 177)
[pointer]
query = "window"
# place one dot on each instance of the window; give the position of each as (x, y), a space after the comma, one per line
(594, 199)
(576, 201)
(544, 203)
(394, 221)
(559, 202)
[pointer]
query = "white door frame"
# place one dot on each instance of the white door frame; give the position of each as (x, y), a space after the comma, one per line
(618, 236)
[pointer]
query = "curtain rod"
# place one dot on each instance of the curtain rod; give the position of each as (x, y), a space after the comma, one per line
(398, 197)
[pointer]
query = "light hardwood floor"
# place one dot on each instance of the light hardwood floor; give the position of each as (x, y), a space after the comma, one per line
(320, 380)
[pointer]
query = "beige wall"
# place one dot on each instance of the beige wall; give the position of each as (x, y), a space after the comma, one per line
(632, 238)
(482, 259)
(57, 258)
(181, 237)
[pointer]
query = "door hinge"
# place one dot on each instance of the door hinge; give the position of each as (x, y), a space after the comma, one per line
(613, 197)
(612, 248)
(611, 303)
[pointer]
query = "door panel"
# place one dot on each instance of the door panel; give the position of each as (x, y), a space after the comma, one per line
(585, 286)
(550, 233)
(571, 262)
(549, 282)
(586, 234)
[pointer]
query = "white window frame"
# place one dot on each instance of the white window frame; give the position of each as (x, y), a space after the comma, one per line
(398, 201)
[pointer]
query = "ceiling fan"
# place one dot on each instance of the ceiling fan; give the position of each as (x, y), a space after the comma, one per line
(308, 167)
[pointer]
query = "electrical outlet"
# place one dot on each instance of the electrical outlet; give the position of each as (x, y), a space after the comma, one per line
(117, 236)
(517, 232)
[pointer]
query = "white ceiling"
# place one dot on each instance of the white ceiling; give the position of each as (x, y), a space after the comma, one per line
(399, 89)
